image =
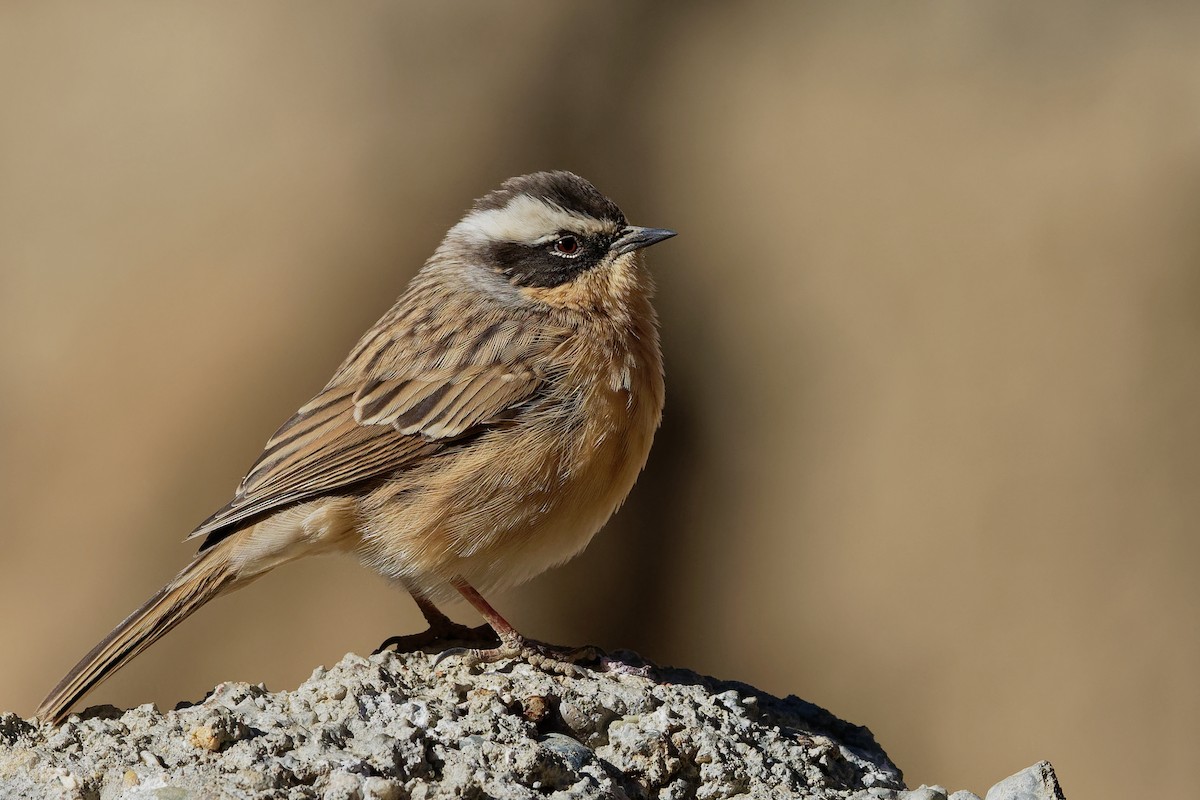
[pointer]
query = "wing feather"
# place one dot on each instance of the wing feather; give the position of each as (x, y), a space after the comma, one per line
(393, 402)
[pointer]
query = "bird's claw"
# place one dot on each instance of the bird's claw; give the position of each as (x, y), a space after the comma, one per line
(615, 666)
(450, 632)
(548, 657)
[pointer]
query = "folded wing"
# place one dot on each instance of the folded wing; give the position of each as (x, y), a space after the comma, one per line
(399, 398)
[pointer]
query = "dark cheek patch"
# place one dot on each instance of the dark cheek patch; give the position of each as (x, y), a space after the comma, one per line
(537, 267)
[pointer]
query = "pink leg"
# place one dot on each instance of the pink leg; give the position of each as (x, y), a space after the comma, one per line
(515, 646)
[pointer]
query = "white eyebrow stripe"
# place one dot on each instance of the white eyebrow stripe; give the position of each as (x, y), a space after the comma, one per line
(525, 219)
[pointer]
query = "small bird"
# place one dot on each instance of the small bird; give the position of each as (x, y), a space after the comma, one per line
(481, 432)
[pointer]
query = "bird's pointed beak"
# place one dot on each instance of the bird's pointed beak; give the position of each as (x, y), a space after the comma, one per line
(635, 238)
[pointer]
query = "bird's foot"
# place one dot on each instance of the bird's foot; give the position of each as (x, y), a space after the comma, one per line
(442, 633)
(548, 657)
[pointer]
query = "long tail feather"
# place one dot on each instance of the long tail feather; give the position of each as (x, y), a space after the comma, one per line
(206, 577)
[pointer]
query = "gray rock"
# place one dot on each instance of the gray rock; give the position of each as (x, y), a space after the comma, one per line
(391, 727)
(1034, 783)
(926, 793)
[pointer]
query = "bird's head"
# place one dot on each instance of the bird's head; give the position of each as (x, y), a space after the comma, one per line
(555, 239)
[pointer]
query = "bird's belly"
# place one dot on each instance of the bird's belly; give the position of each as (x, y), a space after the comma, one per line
(512, 503)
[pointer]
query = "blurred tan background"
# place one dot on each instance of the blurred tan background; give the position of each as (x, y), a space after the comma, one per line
(932, 325)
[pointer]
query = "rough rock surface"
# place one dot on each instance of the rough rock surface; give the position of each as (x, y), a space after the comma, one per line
(393, 726)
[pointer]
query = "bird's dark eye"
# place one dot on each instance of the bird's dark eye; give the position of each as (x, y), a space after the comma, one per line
(566, 246)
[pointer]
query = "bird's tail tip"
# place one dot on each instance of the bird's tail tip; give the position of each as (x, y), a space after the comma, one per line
(200, 581)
